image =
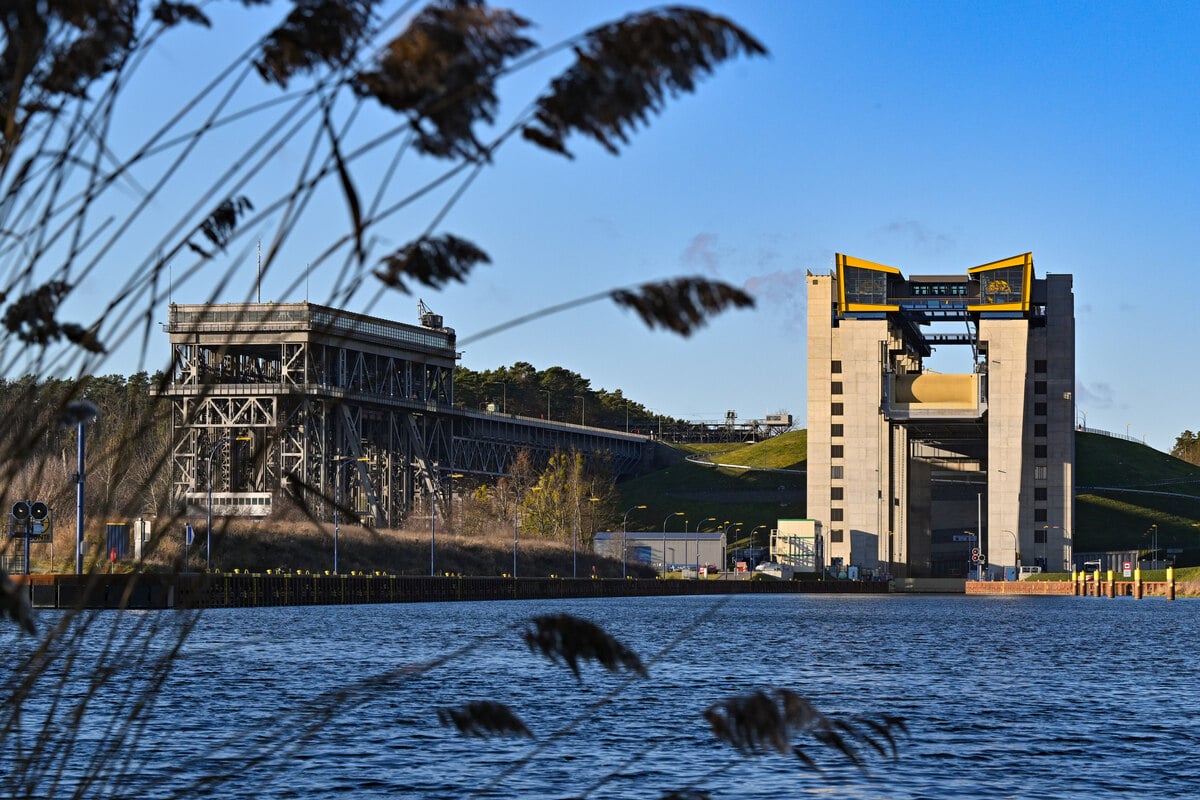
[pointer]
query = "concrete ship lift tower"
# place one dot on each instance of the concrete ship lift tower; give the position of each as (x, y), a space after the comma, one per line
(910, 471)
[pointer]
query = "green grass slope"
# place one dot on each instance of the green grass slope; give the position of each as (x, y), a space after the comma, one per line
(1122, 488)
(752, 497)
(785, 451)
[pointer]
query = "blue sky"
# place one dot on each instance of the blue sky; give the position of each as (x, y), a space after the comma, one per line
(932, 136)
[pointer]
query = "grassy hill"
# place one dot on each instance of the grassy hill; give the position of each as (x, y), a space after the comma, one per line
(702, 489)
(1122, 488)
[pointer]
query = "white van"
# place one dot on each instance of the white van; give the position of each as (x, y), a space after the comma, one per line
(781, 571)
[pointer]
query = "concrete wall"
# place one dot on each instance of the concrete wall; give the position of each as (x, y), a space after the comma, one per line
(1010, 436)
(821, 335)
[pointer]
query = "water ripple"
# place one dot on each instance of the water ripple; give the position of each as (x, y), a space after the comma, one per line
(1068, 698)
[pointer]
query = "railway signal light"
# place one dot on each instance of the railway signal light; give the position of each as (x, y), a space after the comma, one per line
(29, 518)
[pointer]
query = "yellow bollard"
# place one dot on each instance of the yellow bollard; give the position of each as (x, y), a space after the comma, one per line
(1137, 583)
(1171, 583)
(1112, 585)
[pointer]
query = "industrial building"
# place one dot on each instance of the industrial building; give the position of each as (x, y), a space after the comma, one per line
(677, 550)
(915, 472)
(326, 405)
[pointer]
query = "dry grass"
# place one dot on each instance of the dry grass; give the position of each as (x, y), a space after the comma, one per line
(257, 546)
(1188, 588)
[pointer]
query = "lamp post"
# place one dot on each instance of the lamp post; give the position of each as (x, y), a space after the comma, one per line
(575, 542)
(516, 507)
(547, 393)
(83, 411)
(456, 476)
(664, 541)
(624, 539)
(579, 397)
(433, 518)
(1016, 552)
(698, 524)
(1153, 531)
(725, 530)
(208, 526)
(338, 464)
(752, 532)
(1068, 555)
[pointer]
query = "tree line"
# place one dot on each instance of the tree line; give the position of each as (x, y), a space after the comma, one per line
(555, 393)
(128, 443)
(1187, 447)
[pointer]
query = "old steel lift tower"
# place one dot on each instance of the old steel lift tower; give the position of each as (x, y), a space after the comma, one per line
(330, 403)
(269, 393)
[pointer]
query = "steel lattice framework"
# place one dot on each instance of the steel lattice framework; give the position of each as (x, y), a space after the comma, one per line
(296, 392)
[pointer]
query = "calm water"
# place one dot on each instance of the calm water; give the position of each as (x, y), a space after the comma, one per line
(1020, 697)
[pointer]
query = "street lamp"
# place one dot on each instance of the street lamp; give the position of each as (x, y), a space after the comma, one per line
(579, 397)
(752, 532)
(725, 530)
(547, 393)
(338, 463)
(698, 524)
(1068, 557)
(208, 528)
(575, 542)
(80, 412)
(1016, 552)
(664, 541)
(432, 523)
(516, 507)
(624, 545)
(455, 476)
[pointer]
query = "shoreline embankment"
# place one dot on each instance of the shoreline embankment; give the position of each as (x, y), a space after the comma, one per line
(239, 590)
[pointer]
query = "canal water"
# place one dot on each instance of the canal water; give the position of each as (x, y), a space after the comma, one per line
(1047, 697)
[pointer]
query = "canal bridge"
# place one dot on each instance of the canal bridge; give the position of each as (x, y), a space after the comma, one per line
(323, 403)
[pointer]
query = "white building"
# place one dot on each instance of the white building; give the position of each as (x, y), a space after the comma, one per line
(681, 549)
